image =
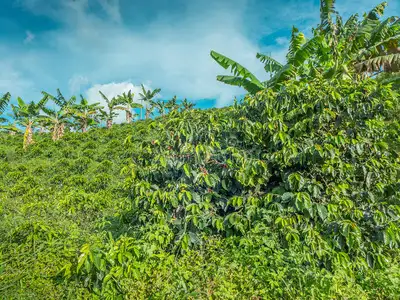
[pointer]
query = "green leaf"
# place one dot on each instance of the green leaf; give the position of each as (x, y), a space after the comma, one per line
(224, 186)
(368, 179)
(207, 179)
(186, 168)
(163, 162)
(322, 211)
(271, 65)
(287, 196)
(296, 181)
(236, 68)
(107, 278)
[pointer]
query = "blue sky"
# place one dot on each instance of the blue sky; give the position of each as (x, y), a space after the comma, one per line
(81, 46)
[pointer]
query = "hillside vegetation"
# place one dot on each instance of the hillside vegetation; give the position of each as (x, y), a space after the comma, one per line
(290, 193)
(293, 195)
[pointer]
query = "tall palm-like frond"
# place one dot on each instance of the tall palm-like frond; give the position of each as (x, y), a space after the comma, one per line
(375, 64)
(375, 46)
(187, 105)
(242, 77)
(295, 61)
(27, 115)
(161, 106)
(172, 104)
(85, 113)
(296, 41)
(337, 49)
(270, 65)
(147, 95)
(127, 100)
(327, 9)
(300, 50)
(56, 121)
(112, 106)
(377, 11)
(4, 100)
(60, 100)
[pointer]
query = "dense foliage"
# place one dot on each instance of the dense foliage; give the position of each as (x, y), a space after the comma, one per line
(288, 194)
(355, 48)
(291, 193)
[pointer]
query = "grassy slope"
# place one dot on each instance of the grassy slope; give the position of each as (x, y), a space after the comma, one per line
(57, 197)
(53, 199)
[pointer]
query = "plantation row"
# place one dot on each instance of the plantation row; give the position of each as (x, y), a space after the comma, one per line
(291, 193)
(79, 116)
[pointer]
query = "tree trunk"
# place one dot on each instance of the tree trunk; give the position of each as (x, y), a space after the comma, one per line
(60, 132)
(109, 123)
(84, 126)
(28, 136)
(128, 117)
(54, 136)
(41, 130)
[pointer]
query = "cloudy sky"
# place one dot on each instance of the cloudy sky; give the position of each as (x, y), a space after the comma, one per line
(82, 46)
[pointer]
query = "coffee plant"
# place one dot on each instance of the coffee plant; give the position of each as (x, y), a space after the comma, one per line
(293, 192)
(286, 194)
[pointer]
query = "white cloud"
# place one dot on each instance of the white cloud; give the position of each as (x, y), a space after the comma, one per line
(172, 52)
(76, 82)
(13, 81)
(178, 61)
(29, 37)
(174, 55)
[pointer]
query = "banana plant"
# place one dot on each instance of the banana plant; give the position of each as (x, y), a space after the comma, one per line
(172, 104)
(127, 99)
(57, 120)
(4, 100)
(359, 48)
(149, 109)
(349, 50)
(300, 50)
(187, 105)
(146, 96)
(112, 105)
(10, 128)
(242, 77)
(161, 107)
(28, 115)
(85, 114)
(60, 100)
